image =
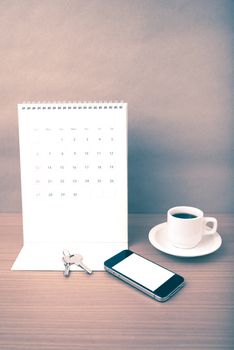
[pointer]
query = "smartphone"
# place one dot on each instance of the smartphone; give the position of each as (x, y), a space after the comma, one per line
(143, 274)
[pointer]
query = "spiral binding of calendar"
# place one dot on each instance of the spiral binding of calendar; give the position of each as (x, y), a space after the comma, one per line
(71, 105)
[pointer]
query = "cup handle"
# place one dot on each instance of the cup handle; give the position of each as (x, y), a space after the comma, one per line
(210, 230)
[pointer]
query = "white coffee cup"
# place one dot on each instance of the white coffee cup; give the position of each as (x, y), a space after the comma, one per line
(187, 225)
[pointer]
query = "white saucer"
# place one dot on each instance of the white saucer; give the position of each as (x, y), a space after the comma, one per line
(158, 237)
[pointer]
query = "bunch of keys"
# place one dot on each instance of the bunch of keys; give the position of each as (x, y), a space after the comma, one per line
(71, 259)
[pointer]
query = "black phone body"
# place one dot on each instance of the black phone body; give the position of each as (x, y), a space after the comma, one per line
(143, 274)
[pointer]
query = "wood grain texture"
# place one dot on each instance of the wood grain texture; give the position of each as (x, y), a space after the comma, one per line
(42, 310)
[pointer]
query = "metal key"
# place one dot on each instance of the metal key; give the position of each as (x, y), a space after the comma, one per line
(77, 259)
(65, 259)
(66, 272)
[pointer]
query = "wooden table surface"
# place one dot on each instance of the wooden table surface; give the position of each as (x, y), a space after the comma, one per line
(43, 310)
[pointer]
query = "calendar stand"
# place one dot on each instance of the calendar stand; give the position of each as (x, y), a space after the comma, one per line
(73, 160)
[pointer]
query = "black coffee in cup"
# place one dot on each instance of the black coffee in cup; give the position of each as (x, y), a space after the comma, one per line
(184, 216)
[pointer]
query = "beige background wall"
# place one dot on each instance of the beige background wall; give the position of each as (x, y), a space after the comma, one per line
(172, 61)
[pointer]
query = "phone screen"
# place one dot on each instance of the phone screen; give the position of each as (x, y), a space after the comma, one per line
(143, 271)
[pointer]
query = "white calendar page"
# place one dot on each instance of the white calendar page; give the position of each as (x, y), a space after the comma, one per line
(74, 182)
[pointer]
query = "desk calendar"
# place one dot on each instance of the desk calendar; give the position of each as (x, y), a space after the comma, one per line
(73, 159)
